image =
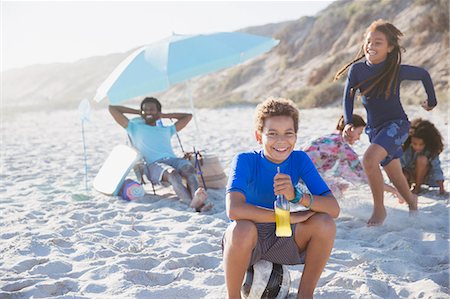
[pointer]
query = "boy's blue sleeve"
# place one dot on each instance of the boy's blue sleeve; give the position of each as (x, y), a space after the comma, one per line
(239, 174)
(349, 96)
(312, 178)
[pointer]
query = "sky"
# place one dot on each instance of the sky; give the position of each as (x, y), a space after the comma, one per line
(40, 32)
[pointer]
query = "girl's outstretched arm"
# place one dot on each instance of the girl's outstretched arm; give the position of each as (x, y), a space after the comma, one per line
(409, 72)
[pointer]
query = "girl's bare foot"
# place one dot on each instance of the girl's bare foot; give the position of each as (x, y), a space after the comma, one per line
(377, 218)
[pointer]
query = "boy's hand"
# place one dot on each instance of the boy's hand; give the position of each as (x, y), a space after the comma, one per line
(425, 106)
(282, 184)
(297, 217)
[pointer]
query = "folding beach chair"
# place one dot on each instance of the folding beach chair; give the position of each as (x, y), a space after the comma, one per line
(140, 167)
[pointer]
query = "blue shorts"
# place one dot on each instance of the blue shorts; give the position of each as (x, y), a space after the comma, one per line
(390, 135)
(155, 170)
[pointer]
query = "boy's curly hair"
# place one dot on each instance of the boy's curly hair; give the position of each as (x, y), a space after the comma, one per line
(426, 131)
(275, 107)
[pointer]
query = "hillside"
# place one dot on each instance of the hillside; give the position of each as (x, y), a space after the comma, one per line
(311, 50)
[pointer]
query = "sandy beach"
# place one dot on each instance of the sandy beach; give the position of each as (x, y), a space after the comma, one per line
(59, 241)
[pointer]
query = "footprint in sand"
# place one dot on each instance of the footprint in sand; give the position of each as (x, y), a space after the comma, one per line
(28, 264)
(53, 269)
(141, 263)
(148, 278)
(199, 261)
(203, 247)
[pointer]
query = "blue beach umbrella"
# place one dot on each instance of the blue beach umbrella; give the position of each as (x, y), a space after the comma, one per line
(156, 67)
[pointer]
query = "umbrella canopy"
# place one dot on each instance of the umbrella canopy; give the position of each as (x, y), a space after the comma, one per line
(156, 67)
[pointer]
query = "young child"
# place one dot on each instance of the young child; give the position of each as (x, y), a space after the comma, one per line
(420, 160)
(333, 153)
(252, 189)
(378, 80)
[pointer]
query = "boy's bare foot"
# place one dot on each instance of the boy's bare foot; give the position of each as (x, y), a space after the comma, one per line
(377, 217)
(416, 189)
(198, 202)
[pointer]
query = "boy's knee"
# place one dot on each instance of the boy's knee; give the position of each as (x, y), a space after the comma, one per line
(324, 224)
(243, 234)
(421, 161)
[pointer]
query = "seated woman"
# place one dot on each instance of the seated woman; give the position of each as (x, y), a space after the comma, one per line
(335, 159)
(252, 189)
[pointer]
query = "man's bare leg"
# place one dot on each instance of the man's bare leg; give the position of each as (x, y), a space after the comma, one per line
(175, 180)
(188, 172)
(199, 195)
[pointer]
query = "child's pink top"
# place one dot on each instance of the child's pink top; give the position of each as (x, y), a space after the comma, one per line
(331, 152)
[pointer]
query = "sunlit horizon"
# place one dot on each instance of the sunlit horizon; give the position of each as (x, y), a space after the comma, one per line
(35, 32)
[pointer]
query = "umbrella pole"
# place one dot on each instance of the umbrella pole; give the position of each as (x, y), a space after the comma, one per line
(85, 158)
(198, 136)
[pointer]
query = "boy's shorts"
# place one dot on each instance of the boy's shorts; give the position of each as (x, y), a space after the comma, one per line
(271, 248)
(155, 171)
(390, 135)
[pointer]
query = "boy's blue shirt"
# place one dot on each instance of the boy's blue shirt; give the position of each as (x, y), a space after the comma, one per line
(380, 110)
(252, 175)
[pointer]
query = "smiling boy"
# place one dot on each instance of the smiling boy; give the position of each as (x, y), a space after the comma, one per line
(251, 191)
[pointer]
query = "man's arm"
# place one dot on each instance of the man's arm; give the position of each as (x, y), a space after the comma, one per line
(182, 119)
(118, 113)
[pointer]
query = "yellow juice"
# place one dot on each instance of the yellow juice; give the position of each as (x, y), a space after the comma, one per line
(283, 222)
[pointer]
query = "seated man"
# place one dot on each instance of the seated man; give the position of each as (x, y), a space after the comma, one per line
(153, 142)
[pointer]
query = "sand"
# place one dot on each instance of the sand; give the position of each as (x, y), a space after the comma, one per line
(59, 240)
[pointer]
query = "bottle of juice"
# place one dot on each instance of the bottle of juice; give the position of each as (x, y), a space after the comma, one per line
(282, 216)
